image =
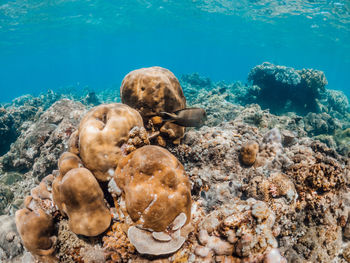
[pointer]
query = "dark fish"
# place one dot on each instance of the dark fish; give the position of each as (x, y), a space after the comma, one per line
(191, 117)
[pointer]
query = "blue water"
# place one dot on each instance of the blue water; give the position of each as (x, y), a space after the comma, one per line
(57, 43)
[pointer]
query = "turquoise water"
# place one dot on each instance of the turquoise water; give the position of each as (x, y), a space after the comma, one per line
(52, 44)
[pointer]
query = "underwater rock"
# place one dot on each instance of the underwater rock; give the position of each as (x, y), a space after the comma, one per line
(10, 241)
(36, 151)
(284, 89)
(11, 121)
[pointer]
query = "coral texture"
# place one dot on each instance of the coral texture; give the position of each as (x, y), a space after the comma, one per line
(152, 91)
(249, 152)
(284, 89)
(102, 132)
(36, 229)
(10, 241)
(198, 204)
(79, 196)
(155, 187)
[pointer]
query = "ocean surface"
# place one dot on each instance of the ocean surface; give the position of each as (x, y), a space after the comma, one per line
(95, 43)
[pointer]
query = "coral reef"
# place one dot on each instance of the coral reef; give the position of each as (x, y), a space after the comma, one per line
(36, 229)
(11, 120)
(72, 247)
(155, 187)
(249, 187)
(44, 141)
(152, 91)
(117, 245)
(37, 149)
(244, 230)
(283, 89)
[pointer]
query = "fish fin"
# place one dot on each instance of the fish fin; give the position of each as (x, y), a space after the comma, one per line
(168, 116)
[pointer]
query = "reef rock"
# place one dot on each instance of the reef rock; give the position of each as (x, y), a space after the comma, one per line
(10, 241)
(284, 89)
(35, 153)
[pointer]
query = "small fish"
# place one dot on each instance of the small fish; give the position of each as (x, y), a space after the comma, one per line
(190, 117)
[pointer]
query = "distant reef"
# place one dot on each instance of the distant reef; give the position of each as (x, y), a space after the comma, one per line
(266, 179)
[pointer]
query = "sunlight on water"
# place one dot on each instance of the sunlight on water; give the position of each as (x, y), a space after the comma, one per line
(220, 39)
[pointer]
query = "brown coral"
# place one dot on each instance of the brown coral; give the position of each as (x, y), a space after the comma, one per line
(67, 162)
(152, 91)
(79, 196)
(102, 132)
(317, 173)
(248, 153)
(36, 229)
(155, 186)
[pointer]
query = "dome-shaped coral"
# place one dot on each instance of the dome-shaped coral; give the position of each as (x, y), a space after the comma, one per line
(248, 153)
(153, 91)
(36, 229)
(102, 131)
(156, 188)
(79, 196)
(67, 162)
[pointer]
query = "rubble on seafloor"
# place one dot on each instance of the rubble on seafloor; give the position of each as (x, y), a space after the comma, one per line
(261, 190)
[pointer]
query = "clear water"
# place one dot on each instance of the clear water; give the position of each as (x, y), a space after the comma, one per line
(51, 44)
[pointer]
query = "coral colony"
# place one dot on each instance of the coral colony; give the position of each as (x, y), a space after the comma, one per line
(132, 182)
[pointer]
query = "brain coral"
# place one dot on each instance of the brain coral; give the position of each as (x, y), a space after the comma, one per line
(102, 132)
(79, 196)
(152, 91)
(155, 186)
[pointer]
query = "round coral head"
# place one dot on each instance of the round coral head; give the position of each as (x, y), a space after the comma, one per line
(249, 152)
(155, 186)
(36, 229)
(83, 202)
(102, 131)
(152, 90)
